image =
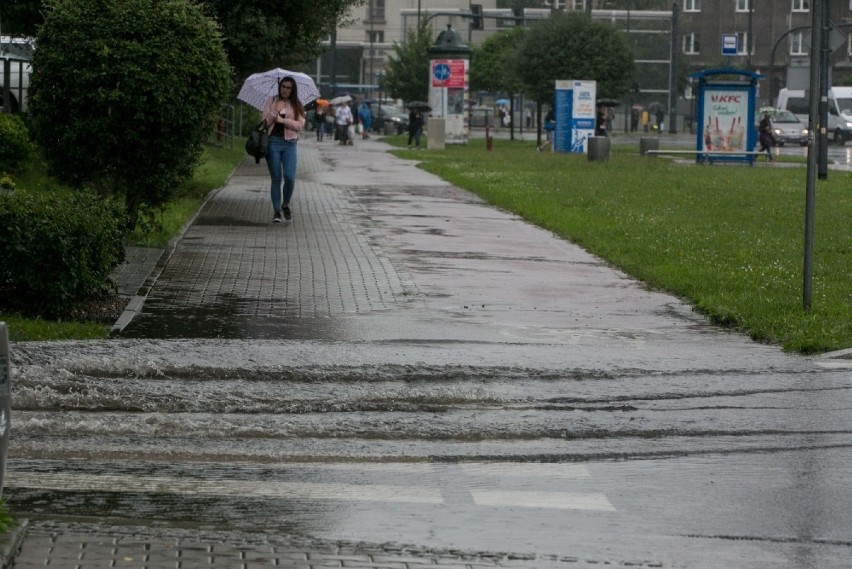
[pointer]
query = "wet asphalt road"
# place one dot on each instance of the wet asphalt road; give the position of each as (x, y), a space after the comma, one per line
(405, 365)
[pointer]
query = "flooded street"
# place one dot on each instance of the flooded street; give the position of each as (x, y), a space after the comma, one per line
(404, 365)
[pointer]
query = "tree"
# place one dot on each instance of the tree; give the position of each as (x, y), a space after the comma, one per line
(123, 94)
(20, 17)
(407, 76)
(259, 34)
(262, 34)
(572, 46)
(493, 64)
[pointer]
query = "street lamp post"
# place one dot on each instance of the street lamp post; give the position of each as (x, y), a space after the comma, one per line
(380, 74)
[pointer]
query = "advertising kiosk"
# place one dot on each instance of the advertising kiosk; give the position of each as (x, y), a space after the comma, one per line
(726, 115)
(574, 112)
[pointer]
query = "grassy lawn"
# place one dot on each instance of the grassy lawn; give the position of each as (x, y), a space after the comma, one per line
(728, 239)
(217, 165)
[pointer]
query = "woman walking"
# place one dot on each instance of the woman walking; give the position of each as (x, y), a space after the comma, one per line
(284, 116)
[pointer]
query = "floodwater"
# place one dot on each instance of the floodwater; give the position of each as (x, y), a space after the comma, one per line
(313, 439)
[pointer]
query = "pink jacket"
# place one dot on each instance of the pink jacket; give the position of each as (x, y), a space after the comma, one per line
(291, 126)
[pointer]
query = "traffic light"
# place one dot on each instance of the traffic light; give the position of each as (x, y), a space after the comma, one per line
(476, 20)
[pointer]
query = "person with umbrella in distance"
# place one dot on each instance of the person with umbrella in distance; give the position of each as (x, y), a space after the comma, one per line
(343, 118)
(284, 116)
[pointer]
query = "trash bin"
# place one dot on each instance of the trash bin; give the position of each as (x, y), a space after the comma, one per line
(5, 401)
(599, 148)
(647, 143)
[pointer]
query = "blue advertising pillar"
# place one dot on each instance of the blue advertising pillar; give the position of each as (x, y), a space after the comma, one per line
(725, 116)
(574, 113)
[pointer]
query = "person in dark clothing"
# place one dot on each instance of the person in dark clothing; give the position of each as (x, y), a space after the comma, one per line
(415, 127)
(765, 136)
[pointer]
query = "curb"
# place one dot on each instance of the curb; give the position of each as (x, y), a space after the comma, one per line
(10, 544)
(134, 306)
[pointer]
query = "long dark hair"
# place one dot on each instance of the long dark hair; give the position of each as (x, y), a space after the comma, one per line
(294, 95)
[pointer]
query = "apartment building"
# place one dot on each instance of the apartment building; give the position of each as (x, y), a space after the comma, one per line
(358, 54)
(772, 38)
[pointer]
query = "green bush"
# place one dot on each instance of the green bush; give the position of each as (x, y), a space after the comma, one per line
(123, 94)
(57, 249)
(15, 145)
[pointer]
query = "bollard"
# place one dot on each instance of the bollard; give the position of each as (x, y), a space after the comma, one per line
(5, 401)
(599, 148)
(435, 133)
(489, 143)
(646, 144)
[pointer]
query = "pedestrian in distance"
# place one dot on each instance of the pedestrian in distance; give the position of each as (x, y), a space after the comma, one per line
(343, 119)
(353, 126)
(319, 122)
(549, 127)
(415, 127)
(634, 119)
(366, 115)
(600, 121)
(284, 116)
(765, 136)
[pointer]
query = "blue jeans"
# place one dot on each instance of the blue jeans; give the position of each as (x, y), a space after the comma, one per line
(320, 126)
(281, 160)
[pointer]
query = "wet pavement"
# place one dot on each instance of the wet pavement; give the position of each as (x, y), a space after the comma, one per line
(356, 378)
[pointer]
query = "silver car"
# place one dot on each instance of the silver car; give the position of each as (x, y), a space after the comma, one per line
(787, 128)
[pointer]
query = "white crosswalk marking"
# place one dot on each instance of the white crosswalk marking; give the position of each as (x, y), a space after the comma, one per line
(162, 485)
(529, 470)
(426, 492)
(529, 499)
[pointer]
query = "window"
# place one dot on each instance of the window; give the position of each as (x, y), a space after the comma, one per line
(743, 5)
(690, 43)
(801, 5)
(377, 36)
(578, 4)
(695, 5)
(376, 10)
(743, 44)
(798, 45)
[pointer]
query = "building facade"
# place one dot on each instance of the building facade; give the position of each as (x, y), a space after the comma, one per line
(771, 37)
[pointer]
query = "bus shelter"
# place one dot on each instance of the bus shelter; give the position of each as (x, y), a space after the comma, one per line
(726, 114)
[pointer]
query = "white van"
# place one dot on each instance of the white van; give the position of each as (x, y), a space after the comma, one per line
(839, 126)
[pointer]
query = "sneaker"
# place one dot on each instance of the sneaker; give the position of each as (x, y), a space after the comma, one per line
(277, 217)
(287, 214)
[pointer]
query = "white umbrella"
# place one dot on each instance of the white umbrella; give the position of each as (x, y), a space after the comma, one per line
(260, 86)
(340, 100)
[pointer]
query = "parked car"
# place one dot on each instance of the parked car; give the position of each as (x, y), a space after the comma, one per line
(397, 115)
(19, 51)
(786, 126)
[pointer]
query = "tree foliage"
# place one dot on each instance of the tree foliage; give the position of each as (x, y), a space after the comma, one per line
(259, 34)
(20, 17)
(493, 65)
(123, 94)
(407, 76)
(262, 34)
(573, 46)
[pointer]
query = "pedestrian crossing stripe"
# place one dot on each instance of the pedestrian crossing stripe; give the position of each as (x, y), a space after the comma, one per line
(532, 499)
(244, 488)
(301, 490)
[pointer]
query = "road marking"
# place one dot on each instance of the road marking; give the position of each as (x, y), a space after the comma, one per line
(531, 470)
(558, 500)
(249, 488)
